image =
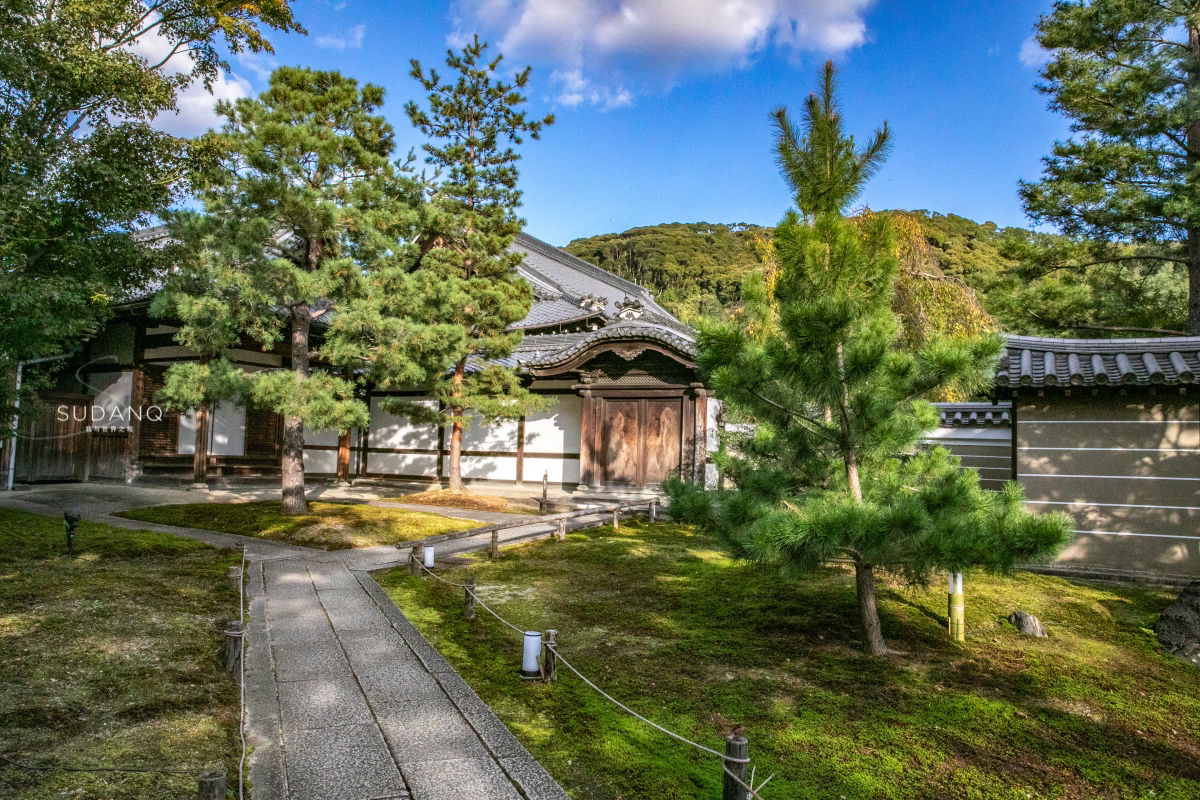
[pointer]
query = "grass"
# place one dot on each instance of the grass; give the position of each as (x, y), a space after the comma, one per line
(327, 526)
(471, 501)
(663, 619)
(111, 657)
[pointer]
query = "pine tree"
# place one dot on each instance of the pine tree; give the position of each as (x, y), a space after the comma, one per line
(306, 204)
(833, 469)
(467, 278)
(1126, 187)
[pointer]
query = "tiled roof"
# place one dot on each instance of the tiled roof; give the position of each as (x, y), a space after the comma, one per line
(582, 288)
(955, 415)
(1039, 361)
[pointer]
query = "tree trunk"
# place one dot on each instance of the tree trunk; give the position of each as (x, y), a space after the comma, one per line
(864, 581)
(292, 461)
(1193, 230)
(200, 454)
(456, 430)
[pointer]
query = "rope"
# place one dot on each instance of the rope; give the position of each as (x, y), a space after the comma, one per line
(59, 768)
(472, 591)
(649, 722)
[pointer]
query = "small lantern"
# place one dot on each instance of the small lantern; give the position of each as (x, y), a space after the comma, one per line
(428, 556)
(71, 518)
(529, 656)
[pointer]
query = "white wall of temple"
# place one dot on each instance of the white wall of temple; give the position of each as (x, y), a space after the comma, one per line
(320, 451)
(226, 431)
(110, 406)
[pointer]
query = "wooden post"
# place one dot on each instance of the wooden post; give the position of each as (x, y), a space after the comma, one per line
(653, 510)
(956, 612)
(545, 491)
(415, 557)
(736, 746)
(212, 786)
(495, 553)
(235, 578)
(469, 598)
(616, 518)
(233, 646)
(561, 535)
(549, 660)
(133, 443)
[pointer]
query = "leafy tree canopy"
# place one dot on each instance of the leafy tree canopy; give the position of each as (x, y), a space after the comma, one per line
(82, 167)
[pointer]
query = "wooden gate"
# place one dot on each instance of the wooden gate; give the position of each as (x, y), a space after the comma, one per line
(641, 440)
(53, 440)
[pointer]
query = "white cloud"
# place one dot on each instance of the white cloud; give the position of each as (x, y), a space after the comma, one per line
(1032, 54)
(195, 106)
(597, 45)
(195, 112)
(351, 39)
(261, 64)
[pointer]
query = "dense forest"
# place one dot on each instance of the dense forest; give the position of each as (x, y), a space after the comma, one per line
(696, 270)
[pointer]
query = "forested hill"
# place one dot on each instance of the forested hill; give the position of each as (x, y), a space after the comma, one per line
(697, 269)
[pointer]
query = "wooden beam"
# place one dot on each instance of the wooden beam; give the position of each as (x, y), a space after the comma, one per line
(343, 458)
(200, 457)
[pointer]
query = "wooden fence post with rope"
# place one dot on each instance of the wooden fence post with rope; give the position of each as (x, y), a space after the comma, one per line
(737, 753)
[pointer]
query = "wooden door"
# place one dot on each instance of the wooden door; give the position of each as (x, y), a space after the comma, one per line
(662, 430)
(53, 442)
(621, 443)
(641, 441)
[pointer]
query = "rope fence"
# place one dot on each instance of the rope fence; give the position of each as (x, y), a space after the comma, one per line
(742, 787)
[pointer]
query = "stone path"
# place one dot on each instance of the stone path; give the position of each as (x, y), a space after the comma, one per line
(345, 699)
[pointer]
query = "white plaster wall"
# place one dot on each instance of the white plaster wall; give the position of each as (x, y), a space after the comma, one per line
(110, 407)
(320, 461)
(325, 438)
(500, 437)
(389, 430)
(402, 464)
(558, 430)
(491, 468)
(226, 433)
(562, 470)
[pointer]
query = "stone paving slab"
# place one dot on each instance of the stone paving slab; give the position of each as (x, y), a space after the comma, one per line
(344, 762)
(321, 703)
(455, 779)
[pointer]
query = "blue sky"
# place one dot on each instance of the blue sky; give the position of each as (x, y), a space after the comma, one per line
(663, 105)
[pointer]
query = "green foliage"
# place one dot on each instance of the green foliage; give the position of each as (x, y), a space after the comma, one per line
(81, 167)
(466, 289)
(694, 270)
(303, 207)
(1123, 72)
(816, 364)
(662, 618)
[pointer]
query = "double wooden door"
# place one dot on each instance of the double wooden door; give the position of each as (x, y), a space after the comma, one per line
(641, 440)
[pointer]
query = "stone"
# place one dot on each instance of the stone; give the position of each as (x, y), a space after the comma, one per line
(1178, 627)
(1027, 624)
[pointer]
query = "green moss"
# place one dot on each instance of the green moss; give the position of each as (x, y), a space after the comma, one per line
(328, 526)
(111, 657)
(662, 618)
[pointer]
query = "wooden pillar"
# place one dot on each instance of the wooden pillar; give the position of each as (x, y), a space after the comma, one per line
(343, 458)
(133, 444)
(200, 458)
(441, 457)
(521, 450)
(587, 455)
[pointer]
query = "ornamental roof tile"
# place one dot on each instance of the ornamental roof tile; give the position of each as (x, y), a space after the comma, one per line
(1034, 361)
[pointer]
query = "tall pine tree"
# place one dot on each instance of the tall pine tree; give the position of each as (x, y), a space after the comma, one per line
(1126, 186)
(307, 202)
(833, 469)
(467, 278)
